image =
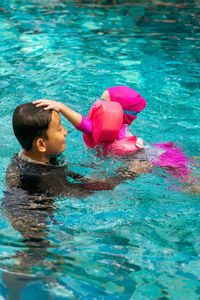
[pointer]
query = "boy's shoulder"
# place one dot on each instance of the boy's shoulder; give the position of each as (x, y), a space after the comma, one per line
(34, 176)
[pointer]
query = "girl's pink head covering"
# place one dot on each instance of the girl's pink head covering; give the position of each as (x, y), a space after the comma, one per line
(130, 100)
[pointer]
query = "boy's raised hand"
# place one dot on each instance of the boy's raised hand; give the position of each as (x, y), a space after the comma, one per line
(50, 104)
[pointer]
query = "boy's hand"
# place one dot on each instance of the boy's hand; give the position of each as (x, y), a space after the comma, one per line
(139, 167)
(50, 104)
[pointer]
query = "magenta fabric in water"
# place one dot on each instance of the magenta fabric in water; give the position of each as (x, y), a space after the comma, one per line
(130, 100)
(173, 159)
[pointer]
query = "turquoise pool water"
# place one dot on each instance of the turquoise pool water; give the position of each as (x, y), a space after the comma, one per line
(140, 240)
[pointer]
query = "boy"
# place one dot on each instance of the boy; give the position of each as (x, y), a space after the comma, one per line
(34, 177)
(35, 168)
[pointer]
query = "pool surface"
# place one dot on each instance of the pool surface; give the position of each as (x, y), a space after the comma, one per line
(141, 239)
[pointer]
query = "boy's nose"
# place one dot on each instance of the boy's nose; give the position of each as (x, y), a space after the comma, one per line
(65, 132)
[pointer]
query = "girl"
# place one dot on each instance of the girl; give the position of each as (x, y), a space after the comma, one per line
(165, 154)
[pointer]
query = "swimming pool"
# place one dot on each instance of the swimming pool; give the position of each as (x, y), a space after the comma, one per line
(140, 240)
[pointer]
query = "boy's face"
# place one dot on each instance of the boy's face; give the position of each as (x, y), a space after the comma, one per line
(55, 144)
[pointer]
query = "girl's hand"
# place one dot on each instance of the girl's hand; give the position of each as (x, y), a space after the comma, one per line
(72, 116)
(50, 104)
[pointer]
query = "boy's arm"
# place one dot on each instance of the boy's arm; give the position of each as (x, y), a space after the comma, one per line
(109, 183)
(139, 167)
(72, 116)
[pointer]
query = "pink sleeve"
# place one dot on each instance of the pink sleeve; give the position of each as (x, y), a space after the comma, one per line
(85, 126)
(122, 132)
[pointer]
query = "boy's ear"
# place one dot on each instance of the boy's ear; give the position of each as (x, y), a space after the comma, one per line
(40, 145)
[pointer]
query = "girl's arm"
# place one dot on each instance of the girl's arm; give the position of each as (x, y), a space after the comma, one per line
(72, 116)
(78, 120)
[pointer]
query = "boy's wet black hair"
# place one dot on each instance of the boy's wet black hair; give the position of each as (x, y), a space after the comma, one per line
(30, 122)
